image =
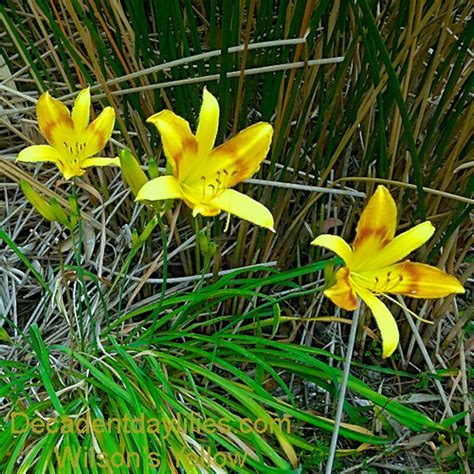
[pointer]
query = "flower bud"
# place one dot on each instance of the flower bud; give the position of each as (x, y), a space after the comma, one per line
(133, 175)
(148, 230)
(61, 214)
(329, 275)
(74, 211)
(207, 246)
(153, 169)
(45, 209)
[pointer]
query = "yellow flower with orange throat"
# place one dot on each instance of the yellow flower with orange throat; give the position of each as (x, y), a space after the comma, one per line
(203, 175)
(73, 141)
(371, 266)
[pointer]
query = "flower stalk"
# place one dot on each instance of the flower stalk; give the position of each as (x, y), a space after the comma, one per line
(341, 391)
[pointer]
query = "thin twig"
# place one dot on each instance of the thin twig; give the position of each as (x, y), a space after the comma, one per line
(304, 187)
(216, 77)
(425, 354)
(393, 182)
(186, 279)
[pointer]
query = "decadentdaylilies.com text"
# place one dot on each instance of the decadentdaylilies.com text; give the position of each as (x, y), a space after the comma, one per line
(22, 422)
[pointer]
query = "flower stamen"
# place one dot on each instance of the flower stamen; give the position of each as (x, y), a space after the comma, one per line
(213, 190)
(403, 306)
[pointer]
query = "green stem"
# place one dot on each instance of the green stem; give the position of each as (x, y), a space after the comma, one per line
(157, 310)
(77, 248)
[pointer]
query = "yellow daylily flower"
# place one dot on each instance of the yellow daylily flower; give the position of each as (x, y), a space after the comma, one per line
(73, 141)
(201, 174)
(372, 268)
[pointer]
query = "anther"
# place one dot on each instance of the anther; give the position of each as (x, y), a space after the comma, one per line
(226, 176)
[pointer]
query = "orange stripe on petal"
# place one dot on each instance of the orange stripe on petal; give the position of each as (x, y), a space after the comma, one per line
(245, 151)
(98, 133)
(179, 144)
(235, 160)
(413, 279)
(342, 294)
(399, 247)
(376, 226)
(54, 120)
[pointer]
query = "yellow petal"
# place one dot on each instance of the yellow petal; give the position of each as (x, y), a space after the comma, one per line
(69, 172)
(399, 247)
(384, 319)
(244, 207)
(336, 244)
(54, 120)
(163, 187)
(412, 279)
(195, 201)
(342, 294)
(203, 209)
(96, 161)
(98, 133)
(235, 160)
(208, 125)
(376, 226)
(39, 153)
(179, 144)
(81, 110)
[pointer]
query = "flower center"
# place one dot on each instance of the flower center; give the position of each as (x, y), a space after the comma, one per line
(380, 283)
(75, 153)
(215, 185)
